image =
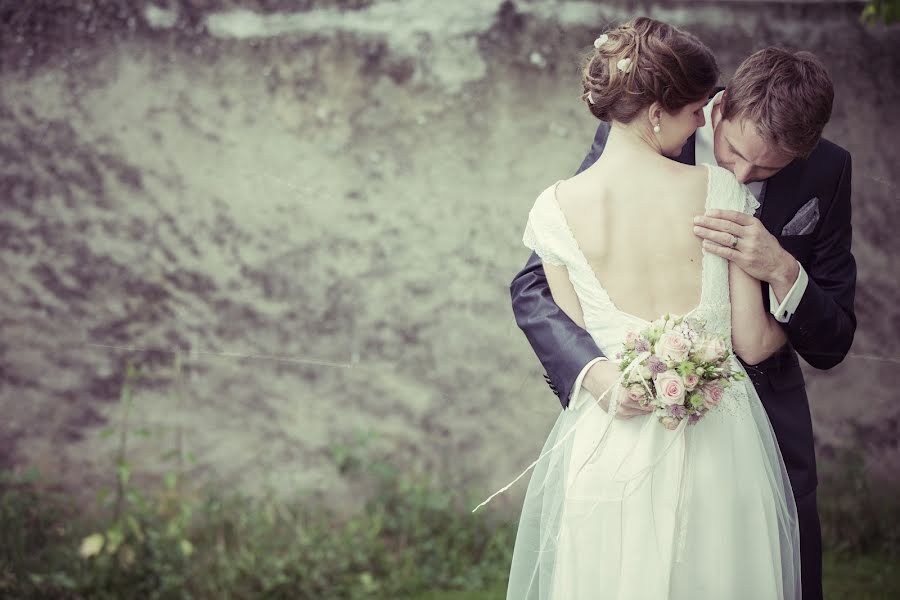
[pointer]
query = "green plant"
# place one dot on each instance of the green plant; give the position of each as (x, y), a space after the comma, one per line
(886, 11)
(144, 530)
(857, 516)
(413, 535)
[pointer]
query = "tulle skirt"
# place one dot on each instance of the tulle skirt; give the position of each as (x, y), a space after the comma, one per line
(624, 509)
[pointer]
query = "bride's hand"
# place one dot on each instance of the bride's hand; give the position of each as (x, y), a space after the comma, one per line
(626, 407)
(600, 377)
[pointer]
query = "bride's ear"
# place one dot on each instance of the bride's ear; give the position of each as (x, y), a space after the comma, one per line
(654, 114)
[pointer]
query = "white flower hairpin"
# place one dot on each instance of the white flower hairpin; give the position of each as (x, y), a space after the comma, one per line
(591, 98)
(601, 40)
(624, 65)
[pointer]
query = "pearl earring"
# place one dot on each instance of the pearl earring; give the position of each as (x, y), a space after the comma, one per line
(656, 128)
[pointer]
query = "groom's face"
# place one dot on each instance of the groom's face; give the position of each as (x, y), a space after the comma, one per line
(740, 148)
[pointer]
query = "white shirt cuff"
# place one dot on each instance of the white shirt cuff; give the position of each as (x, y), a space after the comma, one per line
(581, 396)
(784, 311)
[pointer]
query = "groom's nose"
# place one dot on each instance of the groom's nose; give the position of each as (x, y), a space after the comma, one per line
(742, 172)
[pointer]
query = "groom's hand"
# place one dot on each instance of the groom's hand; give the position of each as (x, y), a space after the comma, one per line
(600, 377)
(757, 251)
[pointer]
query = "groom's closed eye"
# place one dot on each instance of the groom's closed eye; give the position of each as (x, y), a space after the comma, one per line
(735, 151)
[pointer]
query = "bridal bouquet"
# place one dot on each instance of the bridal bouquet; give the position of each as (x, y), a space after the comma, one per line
(678, 368)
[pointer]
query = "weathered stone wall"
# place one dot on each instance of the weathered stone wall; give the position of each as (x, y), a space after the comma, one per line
(320, 214)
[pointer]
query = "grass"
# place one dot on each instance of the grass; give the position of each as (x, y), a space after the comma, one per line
(414, 539)
(845, 578)
(411, 537)
(413, 542)
(498, 593)
(874, 577)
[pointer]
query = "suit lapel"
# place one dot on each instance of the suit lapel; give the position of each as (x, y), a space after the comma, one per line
(689, 152)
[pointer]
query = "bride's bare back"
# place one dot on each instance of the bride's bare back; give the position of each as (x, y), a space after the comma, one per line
(635, 227)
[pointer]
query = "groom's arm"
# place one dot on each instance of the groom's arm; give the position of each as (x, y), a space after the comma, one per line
(824, 322)
(564, 349)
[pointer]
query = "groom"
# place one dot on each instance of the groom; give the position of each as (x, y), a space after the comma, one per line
(765, 127)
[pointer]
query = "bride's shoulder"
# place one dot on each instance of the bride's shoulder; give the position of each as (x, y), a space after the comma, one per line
(546, 228)
(691, 180)
(546, 201)
(572, 194)
(579, 199)
(546, 213)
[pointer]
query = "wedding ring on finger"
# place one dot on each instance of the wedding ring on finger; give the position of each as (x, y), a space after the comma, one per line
(734, 240)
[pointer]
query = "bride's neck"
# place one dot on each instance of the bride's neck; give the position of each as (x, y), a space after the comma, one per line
(629, 145)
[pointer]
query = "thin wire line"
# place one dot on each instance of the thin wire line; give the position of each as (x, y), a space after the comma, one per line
(356, 362)
(273, 357)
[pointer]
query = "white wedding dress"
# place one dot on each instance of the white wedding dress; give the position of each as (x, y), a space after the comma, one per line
(624, 509)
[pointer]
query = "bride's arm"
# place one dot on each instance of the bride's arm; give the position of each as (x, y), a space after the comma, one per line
(755, 334)
(563, 292)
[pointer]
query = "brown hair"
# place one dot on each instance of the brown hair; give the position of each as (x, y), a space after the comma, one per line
(668, 66)
(786, 95)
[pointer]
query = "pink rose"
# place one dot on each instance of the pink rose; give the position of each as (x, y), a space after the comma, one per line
(672, 347)
(690, 381)
(670, 387)
(712, 394)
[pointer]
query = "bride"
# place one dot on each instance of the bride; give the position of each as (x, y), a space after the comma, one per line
(624, 508)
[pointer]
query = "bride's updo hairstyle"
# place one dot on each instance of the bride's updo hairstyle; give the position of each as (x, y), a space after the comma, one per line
(645, 61)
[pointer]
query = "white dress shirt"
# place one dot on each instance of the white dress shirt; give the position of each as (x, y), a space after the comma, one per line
(782, 311)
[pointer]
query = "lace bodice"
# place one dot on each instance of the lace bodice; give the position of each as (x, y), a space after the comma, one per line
(548, 234)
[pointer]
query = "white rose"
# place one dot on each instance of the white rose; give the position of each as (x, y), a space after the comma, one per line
(640, 373)
(672, 346)
(711, 350)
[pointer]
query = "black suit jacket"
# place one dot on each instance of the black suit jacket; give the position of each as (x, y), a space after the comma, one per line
(821, 330)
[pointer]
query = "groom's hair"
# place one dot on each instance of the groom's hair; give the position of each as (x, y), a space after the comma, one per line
(786, 95)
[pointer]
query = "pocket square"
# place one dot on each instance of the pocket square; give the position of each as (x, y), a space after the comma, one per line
(805, 220)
